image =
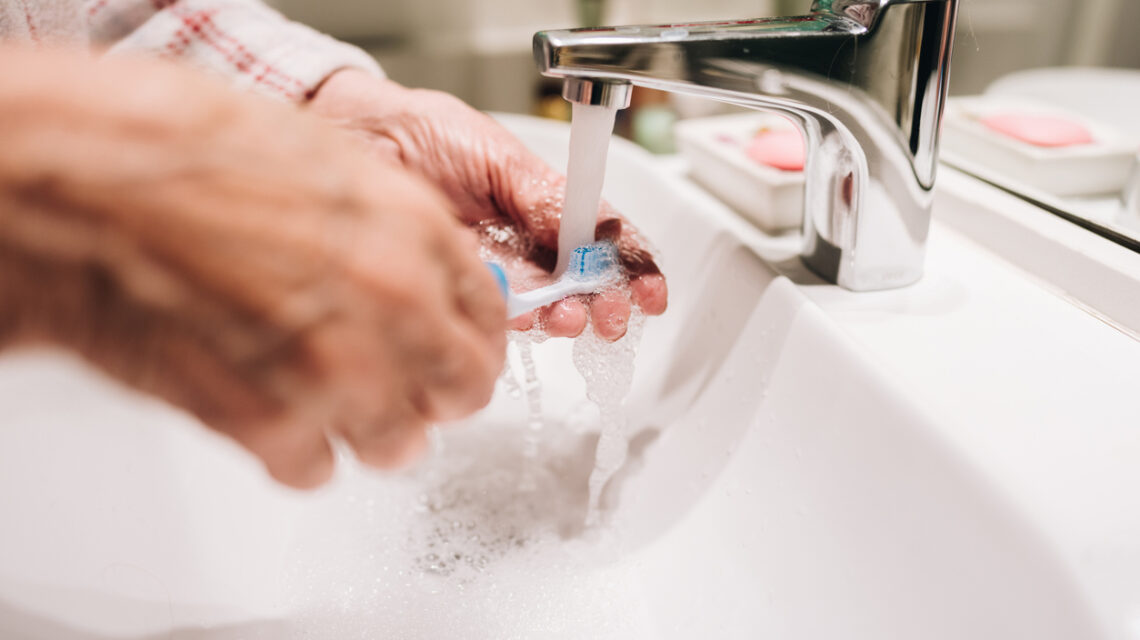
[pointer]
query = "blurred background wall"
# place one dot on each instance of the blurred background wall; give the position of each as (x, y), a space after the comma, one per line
(480, 49)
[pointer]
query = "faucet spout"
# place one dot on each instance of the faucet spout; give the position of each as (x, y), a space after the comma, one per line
(864, 80)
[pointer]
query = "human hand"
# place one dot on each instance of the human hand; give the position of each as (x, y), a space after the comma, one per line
(236, 258)
(498, 187)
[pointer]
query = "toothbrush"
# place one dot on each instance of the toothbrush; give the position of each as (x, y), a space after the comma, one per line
(591, 267)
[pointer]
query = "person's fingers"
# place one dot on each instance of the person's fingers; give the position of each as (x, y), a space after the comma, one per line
(646, 283)
(525, 322)
(609, 313)
(441, 352)
(650, 293)
(296, 452)
(535, 198)
(457, 375)
(565, 318)
(451, 365)
(609, 226)
(532, 194)
(390, 441)
(476, 291)
(634, 255)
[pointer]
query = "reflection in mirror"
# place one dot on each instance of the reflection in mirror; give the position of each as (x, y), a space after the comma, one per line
(1044, 103)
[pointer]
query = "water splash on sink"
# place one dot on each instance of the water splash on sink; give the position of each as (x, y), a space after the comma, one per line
(485, 499)
(607, 368)
(455, 542)
(531, 388)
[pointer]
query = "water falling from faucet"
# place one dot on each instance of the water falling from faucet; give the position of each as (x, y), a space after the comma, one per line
(590, 132)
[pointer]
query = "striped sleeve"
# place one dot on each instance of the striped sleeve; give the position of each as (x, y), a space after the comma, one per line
(245, 41)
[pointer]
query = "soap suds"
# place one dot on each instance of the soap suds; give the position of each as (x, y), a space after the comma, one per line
(607, 368)
(457, 548)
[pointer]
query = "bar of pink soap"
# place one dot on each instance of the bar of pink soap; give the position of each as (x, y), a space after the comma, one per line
(1039, 130)
(779, 148)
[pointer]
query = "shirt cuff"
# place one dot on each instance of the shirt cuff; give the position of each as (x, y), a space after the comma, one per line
(249, 44)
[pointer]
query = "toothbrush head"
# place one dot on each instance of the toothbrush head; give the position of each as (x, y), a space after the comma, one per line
(594, 261)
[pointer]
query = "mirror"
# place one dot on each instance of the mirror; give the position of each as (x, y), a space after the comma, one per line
(1043, 97)
(1043, 101)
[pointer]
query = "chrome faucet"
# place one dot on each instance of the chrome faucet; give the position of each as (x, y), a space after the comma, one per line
(864, 80)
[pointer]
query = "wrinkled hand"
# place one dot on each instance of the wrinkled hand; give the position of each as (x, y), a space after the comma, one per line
(499, 187)
(237, 258)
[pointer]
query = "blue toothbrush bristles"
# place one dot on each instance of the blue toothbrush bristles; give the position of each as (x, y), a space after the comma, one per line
(593, 261)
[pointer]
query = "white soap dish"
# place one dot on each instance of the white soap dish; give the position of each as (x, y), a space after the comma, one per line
(717, 150)
(1098, 164)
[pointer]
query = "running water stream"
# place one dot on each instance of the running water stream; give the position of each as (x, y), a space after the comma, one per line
(590, 131)
(606, 368)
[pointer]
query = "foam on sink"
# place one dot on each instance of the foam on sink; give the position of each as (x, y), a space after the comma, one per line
(485, 537)
(456, 549)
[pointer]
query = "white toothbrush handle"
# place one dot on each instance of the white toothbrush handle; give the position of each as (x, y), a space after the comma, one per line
(520, 303)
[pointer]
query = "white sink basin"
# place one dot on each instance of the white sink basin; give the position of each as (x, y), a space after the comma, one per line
(808, 463)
